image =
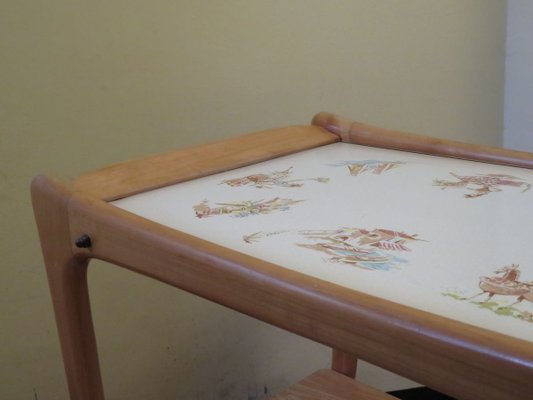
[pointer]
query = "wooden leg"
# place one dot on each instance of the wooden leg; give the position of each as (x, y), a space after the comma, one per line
(68, 287)
(343, 363)
(67, 278)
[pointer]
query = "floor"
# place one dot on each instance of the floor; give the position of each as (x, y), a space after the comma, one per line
(420, 393)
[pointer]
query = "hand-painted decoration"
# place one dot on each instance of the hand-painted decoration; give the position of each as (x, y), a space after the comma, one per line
(368, 249)
(244, 208)
(505, 285)
(276, 178)
(481, 185)
(257, 236)
(374, 166)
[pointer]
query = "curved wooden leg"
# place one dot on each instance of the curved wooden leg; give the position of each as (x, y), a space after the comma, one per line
(68, 288)
(343, 363)
(67, 278)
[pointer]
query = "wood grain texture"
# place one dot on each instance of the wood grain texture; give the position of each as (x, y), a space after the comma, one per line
(343, 363)
(128, 178)
(67, 278)
(368, 135)
(330, 385)
(454, 358)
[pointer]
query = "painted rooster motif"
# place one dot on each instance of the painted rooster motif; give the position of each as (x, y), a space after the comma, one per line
(276, 178)
(367, 249)
(481, 185)
(504, 284)
(376, 167)
(244, 208)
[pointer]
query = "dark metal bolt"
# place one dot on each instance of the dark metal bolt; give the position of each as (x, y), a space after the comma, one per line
(83, 242)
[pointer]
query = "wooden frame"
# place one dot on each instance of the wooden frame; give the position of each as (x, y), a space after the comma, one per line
(457, 359)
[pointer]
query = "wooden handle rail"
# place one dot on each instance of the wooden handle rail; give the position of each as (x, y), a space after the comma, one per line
(368, 135)
(136, 176)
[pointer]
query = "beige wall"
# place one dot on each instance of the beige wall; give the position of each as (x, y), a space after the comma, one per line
(87, 83)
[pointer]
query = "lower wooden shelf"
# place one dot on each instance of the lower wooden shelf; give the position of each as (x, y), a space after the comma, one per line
(330, 385)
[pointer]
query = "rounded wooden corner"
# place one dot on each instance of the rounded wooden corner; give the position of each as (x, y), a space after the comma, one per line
(333, 123)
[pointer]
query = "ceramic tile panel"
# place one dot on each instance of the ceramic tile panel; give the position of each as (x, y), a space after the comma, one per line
(446, 236)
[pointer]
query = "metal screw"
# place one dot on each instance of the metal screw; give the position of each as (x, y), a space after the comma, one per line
(83, 242)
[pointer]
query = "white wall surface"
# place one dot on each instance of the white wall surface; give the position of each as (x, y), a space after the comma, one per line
(518, 120)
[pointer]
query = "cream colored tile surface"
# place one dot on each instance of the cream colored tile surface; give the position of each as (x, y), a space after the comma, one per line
(419, 230)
